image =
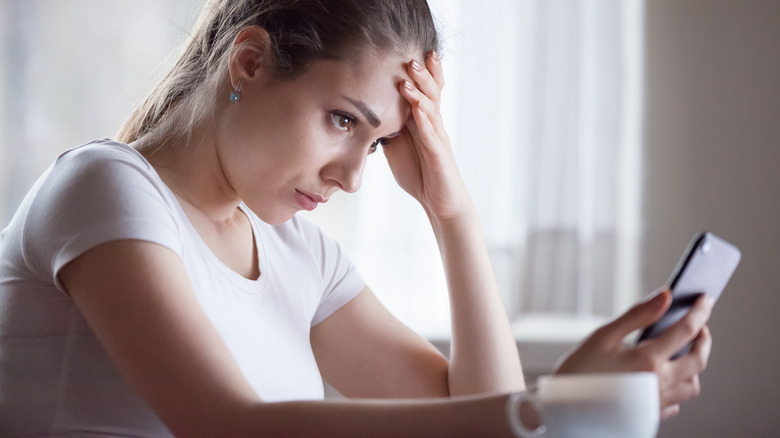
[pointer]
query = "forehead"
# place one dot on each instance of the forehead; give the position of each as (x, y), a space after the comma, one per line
(372, 80)
(370, 69)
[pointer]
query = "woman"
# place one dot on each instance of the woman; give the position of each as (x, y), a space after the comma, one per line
(161, 283)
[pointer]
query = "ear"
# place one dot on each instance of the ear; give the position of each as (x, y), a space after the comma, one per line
(249, 55)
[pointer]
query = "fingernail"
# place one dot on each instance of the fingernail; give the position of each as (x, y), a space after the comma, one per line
(709, 301)
(408, 85)
(416, 65)
(661, 297)
(435, 55)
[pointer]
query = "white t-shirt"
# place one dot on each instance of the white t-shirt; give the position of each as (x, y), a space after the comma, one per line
(55, 378)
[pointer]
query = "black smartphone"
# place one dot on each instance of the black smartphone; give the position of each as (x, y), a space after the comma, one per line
(705, 268)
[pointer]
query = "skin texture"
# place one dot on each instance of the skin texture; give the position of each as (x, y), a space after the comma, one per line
(307, 135)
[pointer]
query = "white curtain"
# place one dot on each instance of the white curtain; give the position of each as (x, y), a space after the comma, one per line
(543, 105)
(72, 71)
(542, 102)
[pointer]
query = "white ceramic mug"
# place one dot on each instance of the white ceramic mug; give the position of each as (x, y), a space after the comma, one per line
(605, 405)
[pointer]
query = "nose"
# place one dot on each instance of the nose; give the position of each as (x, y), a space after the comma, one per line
(346, 170)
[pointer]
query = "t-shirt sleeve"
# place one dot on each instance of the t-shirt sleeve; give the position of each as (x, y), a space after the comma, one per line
(90, 196)
(341, 280)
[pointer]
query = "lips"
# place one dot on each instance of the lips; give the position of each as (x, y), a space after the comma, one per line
(308, 201)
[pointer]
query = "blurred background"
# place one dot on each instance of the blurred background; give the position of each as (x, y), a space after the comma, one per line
(596, 138)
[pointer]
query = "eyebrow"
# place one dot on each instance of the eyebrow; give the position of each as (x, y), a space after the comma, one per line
(370, 115)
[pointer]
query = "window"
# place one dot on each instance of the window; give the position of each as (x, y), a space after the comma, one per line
(543, 107)
(78, 80)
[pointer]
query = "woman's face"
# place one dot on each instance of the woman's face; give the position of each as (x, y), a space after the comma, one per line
(288, 145)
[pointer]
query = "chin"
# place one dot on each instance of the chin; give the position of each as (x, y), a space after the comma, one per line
(275, 217)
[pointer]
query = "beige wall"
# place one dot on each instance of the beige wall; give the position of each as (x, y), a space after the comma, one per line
(712, 162)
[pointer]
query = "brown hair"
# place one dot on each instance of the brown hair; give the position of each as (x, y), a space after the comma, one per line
(301, 32)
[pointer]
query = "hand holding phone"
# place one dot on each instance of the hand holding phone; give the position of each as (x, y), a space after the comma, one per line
(705, 268)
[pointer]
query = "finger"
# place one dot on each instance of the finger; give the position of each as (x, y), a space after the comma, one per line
(702, 347)
(402, 151)
(639, 316)
(424, 81)
(413, 94)
(684, 330)
(682, 369)
(669, 412)
(681, 392)
(693, 363)
(427, 134)
(412, 129)
(417, 99)
(433, 62)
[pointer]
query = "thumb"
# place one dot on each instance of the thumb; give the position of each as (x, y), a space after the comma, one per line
(637, 317)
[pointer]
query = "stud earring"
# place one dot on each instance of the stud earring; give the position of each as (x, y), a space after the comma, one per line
(235, 95)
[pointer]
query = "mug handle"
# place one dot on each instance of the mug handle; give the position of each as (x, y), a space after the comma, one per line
(513, 412)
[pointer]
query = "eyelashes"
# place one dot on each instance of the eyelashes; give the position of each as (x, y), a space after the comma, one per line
(342, 121)
(375, 145)
(384, 141)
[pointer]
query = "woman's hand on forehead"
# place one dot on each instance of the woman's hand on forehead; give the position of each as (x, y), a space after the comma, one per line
(421, 158)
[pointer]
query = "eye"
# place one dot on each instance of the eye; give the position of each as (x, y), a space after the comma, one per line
(374, 146)
(342, 122)
(384, 141)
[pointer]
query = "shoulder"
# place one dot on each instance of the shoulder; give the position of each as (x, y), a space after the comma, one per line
(96, 169)
(101, 154)
(93, 194)
(102, 180)
(102, 168)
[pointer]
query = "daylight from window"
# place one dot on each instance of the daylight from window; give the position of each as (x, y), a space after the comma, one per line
(542, 104)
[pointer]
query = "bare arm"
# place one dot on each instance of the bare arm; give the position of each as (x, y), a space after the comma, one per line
(137, 299)
(484, 354)
(364, 351)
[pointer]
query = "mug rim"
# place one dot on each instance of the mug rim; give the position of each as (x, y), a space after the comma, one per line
(597, 376)
(593, 386)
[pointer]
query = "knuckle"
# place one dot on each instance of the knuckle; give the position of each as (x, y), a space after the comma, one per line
(637, 311)
(670, 411)
(598, 335)
(645, 362)
(689, 327)
(701, 363)
(695, 388)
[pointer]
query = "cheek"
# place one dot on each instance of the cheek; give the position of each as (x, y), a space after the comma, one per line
(276, 137)
(287, 141)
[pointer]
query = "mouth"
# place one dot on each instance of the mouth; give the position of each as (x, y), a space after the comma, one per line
(308, 201)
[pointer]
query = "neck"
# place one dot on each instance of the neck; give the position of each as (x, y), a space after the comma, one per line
(190, 166)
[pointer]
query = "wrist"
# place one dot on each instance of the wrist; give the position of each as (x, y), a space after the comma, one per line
(465, 216)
